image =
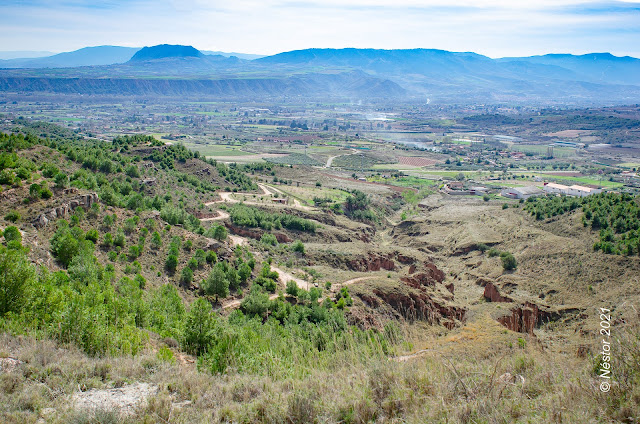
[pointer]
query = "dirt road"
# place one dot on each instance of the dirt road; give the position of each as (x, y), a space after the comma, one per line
(221, 215)
(285, 277)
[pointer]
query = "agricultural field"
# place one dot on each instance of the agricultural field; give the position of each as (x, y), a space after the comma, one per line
(559, 152)
(322, 267)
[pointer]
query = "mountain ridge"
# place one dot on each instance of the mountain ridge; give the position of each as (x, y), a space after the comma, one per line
(438, 75)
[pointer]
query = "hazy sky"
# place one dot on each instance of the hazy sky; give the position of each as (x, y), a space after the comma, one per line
(495, 28)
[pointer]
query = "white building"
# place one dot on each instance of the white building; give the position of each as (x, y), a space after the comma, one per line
(555, 188)
(521, 192)
(574, 190)
(580, 191)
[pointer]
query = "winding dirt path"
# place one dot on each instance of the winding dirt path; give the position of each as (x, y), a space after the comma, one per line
(221, 215)
(237, 302)
(285, 277)
(237, 240)
(355, 280)
(330, 161)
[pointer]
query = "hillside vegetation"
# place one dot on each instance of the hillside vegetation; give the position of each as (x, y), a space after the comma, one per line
(134, 265)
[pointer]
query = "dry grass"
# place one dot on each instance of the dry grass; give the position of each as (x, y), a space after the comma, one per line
(471, 376)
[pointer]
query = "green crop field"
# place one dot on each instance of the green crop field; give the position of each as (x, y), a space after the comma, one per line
(294, 159)
(583, 180)
(558, 152)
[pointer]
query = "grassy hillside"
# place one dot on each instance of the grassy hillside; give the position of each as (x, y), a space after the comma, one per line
(175, 289)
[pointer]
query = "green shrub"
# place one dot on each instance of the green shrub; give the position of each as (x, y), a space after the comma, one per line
(12, 216)
(134, 252)
(171, 263)
(508, 261)
(199, 327)
(244, 272)
(193, 264)
(16, 274)
(156, 240)
(7, 177)
(269, 239)
(61, 180)
(92, 235)
(220, 233)
(186, 276)
(292, 288)
(297, 246)
(46, 193)
(165, 355)
(216, 283)
(211, 257)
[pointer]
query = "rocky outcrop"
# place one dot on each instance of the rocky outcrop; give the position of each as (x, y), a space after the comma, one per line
(372, 263)
(429, 276)
(525, 318)
(420, 306)
(405, 259)
(491, 294)
(63, 211)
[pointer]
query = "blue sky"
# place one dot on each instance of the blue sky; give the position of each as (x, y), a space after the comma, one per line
(495, 28)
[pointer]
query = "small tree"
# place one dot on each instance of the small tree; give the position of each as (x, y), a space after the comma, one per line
(15, 275)
(233, 278)
(297, 246)
(156, 240)
(199, 327)
(119, 240)
(186, 276)
(171, 263)
(64, 245)
(269, 239)
(508, 261)
(211, 257)
(256, 303)
(108, 240)
(12, 233)
(216, 283)
(92, 235)
(34, 191)
(292, 288)
(220, 233)
(12, 216)
(61, 180)
(244, 272)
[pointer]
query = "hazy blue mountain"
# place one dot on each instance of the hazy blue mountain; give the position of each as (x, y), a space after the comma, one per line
(595, 67)
(449, 76)
(438, 75)
(246, 56)
(23, 54)
(164, 51)
(88, 56)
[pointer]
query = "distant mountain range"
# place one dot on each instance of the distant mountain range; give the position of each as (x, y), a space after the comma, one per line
(418, 74)
(88, 56)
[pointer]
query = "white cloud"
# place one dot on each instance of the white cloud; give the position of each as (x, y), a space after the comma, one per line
(492, 27)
